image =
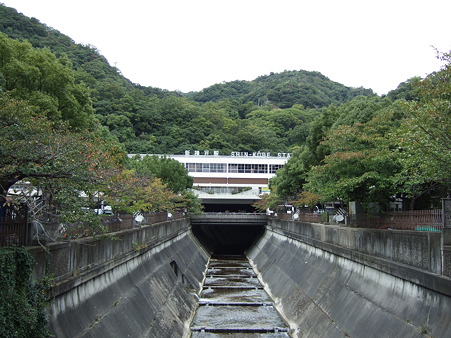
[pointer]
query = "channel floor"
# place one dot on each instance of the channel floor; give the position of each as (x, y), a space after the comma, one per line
(233, 303)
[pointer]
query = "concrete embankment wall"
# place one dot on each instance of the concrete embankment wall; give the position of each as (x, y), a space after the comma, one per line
(140, 284)
(334, 282)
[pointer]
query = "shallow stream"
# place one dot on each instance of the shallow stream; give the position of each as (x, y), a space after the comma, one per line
(233, 303)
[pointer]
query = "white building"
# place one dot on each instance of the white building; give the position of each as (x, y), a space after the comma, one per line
(230, 182)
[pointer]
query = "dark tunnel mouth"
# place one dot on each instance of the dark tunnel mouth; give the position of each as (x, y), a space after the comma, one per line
(227, 239)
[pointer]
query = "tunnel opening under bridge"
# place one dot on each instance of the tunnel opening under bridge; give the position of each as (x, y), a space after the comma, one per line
(228, 239)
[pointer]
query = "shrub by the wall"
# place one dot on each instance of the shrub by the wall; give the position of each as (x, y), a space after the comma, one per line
(22, 300)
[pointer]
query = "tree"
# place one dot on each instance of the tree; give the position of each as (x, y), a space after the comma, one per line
(126, 191)
(406, 90)
(362, 163)
(33, 147)
(191, 202)
(261, 136)
(171, 172)
(306, 198)
(268, 201)
(290, 179)
(425, 136)
(46, 82)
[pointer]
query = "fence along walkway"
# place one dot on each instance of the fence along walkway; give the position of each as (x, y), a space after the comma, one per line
(14, 229)
(426, 220)
(17, 230)
(431, 220)
(13, 232)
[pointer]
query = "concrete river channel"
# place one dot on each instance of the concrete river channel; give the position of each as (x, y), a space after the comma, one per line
(233, 303)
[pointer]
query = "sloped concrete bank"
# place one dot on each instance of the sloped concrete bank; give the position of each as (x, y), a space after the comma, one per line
(324, 292)
(148, 291)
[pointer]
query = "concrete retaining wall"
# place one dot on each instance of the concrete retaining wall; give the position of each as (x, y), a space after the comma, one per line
(447, 252)
(326, 280)
(420, 249)
(141, 284)
(325, 290)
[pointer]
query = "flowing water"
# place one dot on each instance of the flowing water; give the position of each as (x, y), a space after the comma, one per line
(233, 303)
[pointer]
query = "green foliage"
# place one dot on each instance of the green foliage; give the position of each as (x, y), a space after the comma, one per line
(171, 172)
(306, 198)
(22, 306)
(283, 90)
(406, 90)
(361, 163)
(268, 201)
(151, 120)
(359, 110)
(424, 136)
(126, 191)
(173, 175)
(46, 82)
(192, 202)
(371, 148)
(347, 142)
(290, 179)
(34, 147)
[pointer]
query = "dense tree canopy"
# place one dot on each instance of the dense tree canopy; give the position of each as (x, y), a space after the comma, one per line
(35, 147)
(425, 136)
(169, 171)
(283, 90)
(152, 120)
(361, 163)
(371, 149)
(46, 82)
(66, 112)
(51, 138)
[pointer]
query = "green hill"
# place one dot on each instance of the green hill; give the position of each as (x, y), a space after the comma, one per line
(271, 113)
(283, 90)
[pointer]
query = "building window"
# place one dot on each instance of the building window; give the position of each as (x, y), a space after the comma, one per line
(233, 168)
(217, 167)
(260, 168)
(274, 167)
(206, 167)
(191, 167)
(248, 168)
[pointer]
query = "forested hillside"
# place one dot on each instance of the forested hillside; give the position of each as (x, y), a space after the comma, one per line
(272, 113)
(283, 90)
(348, 143)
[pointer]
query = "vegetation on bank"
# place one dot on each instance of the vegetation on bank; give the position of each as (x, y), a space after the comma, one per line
(68, 120)
(22, 309)
(371, 150)
(52, 139)
(271, 113)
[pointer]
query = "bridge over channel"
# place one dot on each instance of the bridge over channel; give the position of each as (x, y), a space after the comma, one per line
(329, 281)
(229, 219)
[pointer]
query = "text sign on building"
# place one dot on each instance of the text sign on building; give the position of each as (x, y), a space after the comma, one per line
(237, 153)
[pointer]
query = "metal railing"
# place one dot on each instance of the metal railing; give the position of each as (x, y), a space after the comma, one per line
(14, 232)
(421, 220)
(425, 220)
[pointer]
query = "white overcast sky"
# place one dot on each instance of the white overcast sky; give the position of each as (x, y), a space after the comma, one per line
(188, 45)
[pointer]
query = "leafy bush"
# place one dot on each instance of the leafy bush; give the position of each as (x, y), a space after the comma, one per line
(22, 306)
